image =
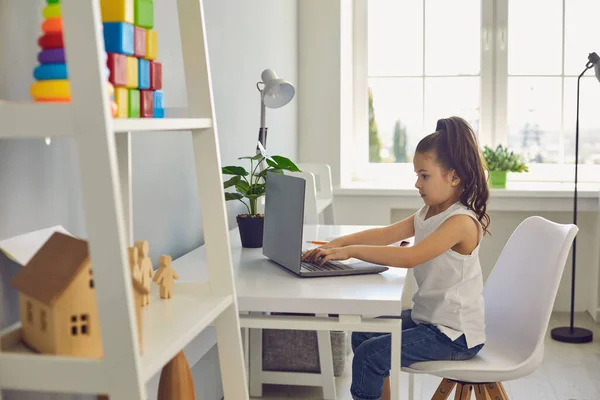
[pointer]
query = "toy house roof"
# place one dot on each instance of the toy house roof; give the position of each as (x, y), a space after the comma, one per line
(52, 268)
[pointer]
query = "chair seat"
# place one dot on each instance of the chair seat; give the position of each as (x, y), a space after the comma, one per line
(494, 363)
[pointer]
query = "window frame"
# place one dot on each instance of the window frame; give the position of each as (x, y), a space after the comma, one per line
(493, 121)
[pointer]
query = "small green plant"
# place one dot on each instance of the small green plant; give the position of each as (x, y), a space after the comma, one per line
(503, 160)
(252, 185)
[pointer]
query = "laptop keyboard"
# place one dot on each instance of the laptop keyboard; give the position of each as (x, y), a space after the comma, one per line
(328, 266)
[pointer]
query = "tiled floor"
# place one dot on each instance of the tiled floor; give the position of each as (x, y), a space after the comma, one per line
(569, 372)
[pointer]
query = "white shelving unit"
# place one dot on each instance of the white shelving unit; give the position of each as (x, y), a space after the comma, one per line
(104, 152)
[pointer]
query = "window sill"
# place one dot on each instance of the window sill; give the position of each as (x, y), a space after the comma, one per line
(513, 189)
(533, 197)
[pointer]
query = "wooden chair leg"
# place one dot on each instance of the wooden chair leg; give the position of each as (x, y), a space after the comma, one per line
(496, 391)
(501, 386)
(444, 390)
(463, 391)
(480, 392)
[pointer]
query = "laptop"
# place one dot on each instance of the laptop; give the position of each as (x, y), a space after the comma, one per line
(283, 230)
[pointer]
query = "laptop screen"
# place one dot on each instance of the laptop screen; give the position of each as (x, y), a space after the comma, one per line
(284, 219)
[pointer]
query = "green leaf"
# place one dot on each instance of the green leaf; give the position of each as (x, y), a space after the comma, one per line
(231, 182)
(258, 189)
(282, 163)
(233, 170)
(263, 173)
(233, 196)
(242, 187)
(256, 157)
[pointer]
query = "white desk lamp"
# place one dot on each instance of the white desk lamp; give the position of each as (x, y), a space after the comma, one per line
(275, 93)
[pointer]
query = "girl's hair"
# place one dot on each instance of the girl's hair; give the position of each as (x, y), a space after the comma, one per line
(455, 147)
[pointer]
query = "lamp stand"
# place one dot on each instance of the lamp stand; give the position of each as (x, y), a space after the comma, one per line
(572, 334)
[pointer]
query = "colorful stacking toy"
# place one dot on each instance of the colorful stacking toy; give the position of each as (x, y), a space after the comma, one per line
(51, 75)
(132, 48)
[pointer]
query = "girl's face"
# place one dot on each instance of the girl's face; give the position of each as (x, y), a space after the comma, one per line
(436, 186)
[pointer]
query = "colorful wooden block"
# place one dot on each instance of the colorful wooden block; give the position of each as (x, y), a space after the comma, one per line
(122, 100)
(146, 103)
(159, 104)
(52, 40)
(53, 1)
(47, 72)
(117, 64)
(139, 42)
(52, 25)
(132, 72)
(134, 103)
(143, 74)
(51, 90)
(52, 11)
(155, 75)
(118, 38)
(52, 56)
(151, 44)
(144, 13)
(117, 11)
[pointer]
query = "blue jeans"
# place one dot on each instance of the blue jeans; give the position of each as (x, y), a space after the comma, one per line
(423, 342)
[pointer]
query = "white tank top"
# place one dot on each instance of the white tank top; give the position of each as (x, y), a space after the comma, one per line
(450, 286)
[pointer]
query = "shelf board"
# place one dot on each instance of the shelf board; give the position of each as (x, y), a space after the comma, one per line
(160, 124)
(27, 120)
(169, 325)
(24, 369)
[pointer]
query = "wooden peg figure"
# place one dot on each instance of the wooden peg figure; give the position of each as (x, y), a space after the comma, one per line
(165, 276)
(145, 266)
(134, 264)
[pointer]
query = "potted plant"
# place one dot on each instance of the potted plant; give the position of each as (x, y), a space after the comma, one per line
(251, 186)
(499, 162)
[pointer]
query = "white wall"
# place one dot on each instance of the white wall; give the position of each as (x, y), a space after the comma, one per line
(40, 186)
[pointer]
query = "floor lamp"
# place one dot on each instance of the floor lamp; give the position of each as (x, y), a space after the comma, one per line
(571, 334)
(275, 93)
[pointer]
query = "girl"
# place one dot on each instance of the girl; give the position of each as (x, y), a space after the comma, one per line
(447, 320)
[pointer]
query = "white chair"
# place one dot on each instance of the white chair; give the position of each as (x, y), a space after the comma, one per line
(519, 295)
(318, 200)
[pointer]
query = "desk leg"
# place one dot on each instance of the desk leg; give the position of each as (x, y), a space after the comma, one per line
(255, 361)
(396, 361)
(326, 361)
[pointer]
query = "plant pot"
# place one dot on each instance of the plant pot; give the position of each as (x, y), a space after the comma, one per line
(498, 179)
(251, 230)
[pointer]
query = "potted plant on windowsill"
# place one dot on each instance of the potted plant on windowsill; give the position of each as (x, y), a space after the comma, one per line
(249, 187)
(500, 161)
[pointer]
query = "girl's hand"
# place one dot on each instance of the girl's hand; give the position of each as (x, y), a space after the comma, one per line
(323, 254)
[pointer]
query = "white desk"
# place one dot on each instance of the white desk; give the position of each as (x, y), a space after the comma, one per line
(262, 286)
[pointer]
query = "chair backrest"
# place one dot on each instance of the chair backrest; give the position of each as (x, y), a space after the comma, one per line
(521, 289)
(311, 214)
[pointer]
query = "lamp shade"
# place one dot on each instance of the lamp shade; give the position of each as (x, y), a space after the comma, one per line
(277, 92)
(594, 59)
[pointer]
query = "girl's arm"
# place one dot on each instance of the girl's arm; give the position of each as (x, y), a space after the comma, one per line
(378, 236)
(452, 232)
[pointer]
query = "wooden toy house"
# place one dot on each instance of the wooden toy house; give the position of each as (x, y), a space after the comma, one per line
(56, 296)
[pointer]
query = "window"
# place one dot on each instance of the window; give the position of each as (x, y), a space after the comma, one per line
(513, 79)
(80, 324)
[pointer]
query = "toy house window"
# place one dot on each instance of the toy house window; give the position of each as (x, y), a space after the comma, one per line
(91, 279)
(43, 321)
(29, 312)
(80, 325)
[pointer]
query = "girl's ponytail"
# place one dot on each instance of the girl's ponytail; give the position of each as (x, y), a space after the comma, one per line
(456, 148)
